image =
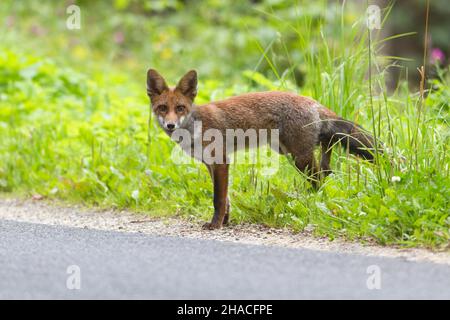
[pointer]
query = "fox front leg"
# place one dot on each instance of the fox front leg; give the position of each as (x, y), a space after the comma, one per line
(226, 219)
(219, 174)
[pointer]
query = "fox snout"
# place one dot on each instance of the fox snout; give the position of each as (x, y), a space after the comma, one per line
(172, 123)
(170, 126)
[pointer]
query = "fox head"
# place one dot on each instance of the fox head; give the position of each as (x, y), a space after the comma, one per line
(171, 105)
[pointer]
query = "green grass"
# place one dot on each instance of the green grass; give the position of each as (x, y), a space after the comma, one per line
(82, 132)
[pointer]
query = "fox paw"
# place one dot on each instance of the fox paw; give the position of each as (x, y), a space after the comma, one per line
(211, 226)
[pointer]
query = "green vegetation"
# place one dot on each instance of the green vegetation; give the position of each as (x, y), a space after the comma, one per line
(75, 122)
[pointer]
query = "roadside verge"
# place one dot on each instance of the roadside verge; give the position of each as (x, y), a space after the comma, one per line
(53, 213)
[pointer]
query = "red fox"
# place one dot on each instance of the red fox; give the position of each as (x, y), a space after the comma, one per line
(302, 125)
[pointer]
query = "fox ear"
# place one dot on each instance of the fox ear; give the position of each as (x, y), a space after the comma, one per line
(188, 85)
(155, 83)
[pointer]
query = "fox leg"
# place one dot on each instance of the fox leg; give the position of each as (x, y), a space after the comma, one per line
(325, 168)
(226, 218)
(219, 175)
(306, 163)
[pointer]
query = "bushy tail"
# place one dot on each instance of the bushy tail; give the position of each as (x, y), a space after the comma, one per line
(350, 136)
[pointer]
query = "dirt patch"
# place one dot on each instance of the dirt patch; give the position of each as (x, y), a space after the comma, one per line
(44, 212)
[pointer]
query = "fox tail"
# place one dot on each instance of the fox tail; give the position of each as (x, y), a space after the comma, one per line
(350, 136)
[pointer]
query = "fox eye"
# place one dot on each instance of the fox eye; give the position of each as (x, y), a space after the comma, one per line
(162, 108)
(180, 108)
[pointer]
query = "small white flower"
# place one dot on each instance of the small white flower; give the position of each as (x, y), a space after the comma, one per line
(395, 179)
(54, 190)
(116, 172)
(135, 195)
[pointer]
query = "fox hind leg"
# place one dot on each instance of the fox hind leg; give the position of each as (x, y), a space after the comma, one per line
(325, 168)
(306, 163)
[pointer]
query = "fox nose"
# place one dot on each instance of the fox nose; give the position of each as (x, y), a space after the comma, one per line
(170, 126)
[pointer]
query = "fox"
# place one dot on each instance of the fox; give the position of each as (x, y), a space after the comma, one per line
(303, 125)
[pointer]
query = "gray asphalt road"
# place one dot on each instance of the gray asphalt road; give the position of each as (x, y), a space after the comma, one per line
(34, 260)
